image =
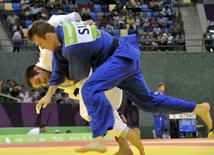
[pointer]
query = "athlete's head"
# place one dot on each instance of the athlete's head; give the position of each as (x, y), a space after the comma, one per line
(43, 127)
(43, 34)
(36, 77)
(161, 87)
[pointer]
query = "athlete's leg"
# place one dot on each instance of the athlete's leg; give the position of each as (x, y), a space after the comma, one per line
(163, 123)
(115, 97)
(124, 148)
(157, 124)
(126, 74)
(106, 77)
(133, 136)
(137, 91)
(121, 130)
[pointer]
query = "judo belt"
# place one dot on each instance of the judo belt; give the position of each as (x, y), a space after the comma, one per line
(76, 92)
(113, 46)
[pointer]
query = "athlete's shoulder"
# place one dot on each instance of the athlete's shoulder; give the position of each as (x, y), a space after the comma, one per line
(156, 93)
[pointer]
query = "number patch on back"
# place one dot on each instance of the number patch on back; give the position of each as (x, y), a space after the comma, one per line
(76, 33)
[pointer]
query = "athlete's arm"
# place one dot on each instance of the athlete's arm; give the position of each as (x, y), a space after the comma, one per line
(46, 99)
(77, 17)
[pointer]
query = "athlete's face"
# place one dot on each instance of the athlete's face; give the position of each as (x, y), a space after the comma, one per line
(161, 88)
(41, 79)
(45, 43)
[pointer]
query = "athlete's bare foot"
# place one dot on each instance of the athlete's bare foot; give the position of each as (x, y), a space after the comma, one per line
(97, 144)
(203, 110)
(124, 148)
(154, 134)
(133, 136)
(124, 152)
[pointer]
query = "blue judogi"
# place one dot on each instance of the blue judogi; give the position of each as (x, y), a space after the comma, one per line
(160, 124)
(159, 120)
(122, 69)
(158, 93)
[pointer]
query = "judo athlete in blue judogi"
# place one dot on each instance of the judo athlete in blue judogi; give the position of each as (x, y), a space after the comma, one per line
(159, 120)
(117, 64)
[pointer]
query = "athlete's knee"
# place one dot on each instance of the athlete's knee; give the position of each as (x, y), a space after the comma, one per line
(88, 90)
(85, 90)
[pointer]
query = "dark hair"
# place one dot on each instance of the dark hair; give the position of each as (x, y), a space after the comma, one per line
(165, 130)
(43, 125)
(29, 73)
(68, 131)
(40, 28)
(160, 84)
(45, 88)
(212, 129)
(180, 32)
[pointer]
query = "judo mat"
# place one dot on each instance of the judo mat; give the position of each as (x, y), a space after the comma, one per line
(194, 146)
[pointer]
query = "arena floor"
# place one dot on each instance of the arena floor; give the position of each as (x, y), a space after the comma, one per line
(196, 146)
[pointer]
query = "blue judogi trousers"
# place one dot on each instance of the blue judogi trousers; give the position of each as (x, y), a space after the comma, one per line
(160, 124)
(124, 73)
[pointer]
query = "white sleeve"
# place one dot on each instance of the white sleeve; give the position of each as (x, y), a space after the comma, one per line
(57, 20)
(45, 60)
(77, 17)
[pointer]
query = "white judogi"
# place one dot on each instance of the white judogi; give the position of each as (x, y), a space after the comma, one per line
(114, 95)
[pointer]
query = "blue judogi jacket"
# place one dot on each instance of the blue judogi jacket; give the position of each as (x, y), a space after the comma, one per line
(74, 61)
